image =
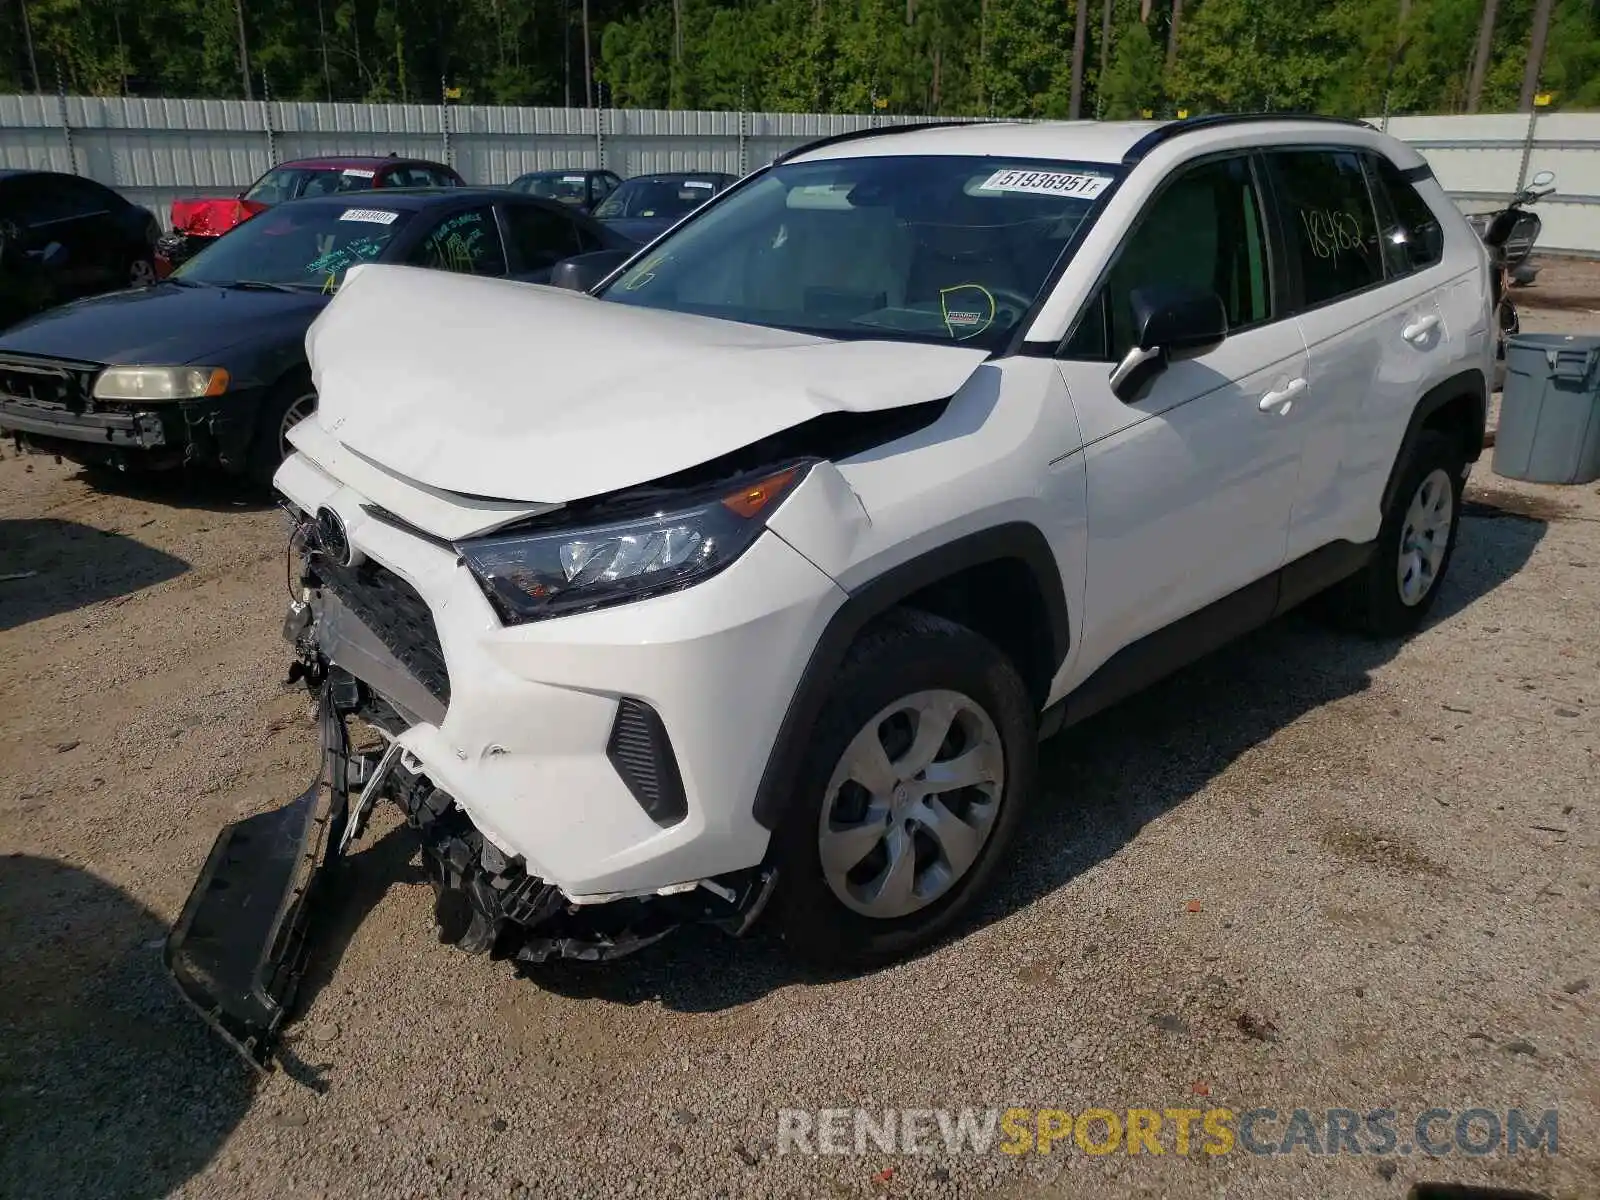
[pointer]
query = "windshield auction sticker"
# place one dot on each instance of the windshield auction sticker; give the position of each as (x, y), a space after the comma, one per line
(1047, 183)
(373, 216)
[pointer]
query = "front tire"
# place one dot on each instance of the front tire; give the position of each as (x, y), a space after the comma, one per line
(919, 769)
(289, 403)
(1399, 586)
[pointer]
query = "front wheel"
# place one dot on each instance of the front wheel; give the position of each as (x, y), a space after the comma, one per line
(1397, 588)
(919, 769)
(288, 405)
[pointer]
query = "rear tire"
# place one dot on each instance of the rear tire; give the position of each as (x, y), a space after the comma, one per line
(1394, 592)
(882, 897)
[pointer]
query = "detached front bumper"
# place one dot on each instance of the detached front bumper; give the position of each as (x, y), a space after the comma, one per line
(238, 949)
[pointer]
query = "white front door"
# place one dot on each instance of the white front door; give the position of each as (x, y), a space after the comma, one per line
(1190, 485)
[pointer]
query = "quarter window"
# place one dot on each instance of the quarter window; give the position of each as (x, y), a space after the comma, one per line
(542, 238)
(1412, 237)
(1331, 227)
(1203, 231)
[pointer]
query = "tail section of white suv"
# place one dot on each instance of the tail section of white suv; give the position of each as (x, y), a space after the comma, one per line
(741, 588)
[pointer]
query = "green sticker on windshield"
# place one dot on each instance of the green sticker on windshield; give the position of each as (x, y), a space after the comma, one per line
(968, 309)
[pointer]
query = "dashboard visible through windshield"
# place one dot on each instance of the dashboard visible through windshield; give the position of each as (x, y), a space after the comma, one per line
(925, 248)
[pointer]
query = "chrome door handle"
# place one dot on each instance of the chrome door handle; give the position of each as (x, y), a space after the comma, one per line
(1420, 329)
(1281, 399)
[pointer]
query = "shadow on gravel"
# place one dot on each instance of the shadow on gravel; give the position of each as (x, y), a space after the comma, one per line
(354, 890)
(109, 1085)
(64, 565)
(185, 487)
(1102, 781)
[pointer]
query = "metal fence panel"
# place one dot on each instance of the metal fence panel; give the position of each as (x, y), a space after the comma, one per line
(155, 150)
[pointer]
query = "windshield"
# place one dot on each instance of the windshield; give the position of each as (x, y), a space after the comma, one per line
(656, 198)
(298, 245)
(569, 189)
(291, 183)
(939, 249)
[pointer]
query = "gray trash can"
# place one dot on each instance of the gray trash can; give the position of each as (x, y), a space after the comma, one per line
(1550, 410)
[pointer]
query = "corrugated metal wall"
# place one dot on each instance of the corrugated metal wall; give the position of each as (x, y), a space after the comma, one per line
(155, 150)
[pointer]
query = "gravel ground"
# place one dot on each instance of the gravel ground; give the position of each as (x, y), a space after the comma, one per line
(1310, 872)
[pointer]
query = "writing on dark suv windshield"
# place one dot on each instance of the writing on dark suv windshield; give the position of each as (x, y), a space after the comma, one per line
(923, 248)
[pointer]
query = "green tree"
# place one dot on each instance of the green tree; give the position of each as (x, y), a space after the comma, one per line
(1133, 78)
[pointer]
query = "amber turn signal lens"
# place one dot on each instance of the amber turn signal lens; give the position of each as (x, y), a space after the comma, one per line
(749, 501)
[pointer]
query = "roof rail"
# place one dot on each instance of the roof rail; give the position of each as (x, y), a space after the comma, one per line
(1173, 129)
(879, 131)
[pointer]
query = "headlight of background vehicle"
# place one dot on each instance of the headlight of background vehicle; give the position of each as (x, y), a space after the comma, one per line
(155, 385)
(537, 574)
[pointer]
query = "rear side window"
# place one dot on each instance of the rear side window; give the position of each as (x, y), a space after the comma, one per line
(1332, 229)
(1204, 231)
(468, 242)
(1412, 237)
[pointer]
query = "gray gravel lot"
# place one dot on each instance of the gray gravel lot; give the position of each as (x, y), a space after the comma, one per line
(1392, 847)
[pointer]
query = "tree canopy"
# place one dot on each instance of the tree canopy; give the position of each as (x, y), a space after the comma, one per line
(950, 57)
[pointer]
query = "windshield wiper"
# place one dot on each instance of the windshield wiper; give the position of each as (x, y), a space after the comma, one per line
(259, 285)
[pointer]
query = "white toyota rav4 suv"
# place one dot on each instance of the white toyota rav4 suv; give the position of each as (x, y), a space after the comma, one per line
(746, 583)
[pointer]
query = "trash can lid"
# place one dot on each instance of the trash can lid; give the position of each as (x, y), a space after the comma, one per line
(1553, 341)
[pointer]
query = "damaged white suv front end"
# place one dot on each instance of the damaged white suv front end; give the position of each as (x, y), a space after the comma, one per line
(573, 684)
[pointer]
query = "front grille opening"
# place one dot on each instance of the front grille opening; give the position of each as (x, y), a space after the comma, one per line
(642, 755)
(394, 611)
(47, 384)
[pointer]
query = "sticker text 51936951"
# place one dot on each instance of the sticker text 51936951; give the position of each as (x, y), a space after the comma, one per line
(1047, 183)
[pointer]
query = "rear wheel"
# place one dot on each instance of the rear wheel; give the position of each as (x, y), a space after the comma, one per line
(919, 769)
(141, 272)
(1400, 584)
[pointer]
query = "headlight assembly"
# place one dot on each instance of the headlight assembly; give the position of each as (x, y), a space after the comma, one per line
(537, 574)
(156, 385)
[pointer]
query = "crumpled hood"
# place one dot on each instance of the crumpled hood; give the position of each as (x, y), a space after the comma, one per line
(509, 390)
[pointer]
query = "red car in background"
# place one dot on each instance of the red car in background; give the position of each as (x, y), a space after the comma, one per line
(196, 223)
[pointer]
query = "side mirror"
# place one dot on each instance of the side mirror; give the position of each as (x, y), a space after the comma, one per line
(1542, 184)
(1167, 320)
(582, 271)
(53, 256)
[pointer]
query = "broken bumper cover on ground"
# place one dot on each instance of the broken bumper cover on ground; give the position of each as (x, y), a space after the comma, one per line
(238, 950)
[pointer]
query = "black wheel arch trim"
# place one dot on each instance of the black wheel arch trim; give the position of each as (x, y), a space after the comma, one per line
(1013, 540)
(1468, 383)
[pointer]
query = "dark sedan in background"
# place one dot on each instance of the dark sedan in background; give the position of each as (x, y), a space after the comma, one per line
(581, 188)
(63, 236)
(209, 365)
(646, 206)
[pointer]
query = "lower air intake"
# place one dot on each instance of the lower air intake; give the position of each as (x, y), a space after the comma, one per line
(640, 751)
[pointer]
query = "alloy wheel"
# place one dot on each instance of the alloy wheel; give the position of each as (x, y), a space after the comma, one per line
(141, 273)
(911, 804)
(302, 408)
